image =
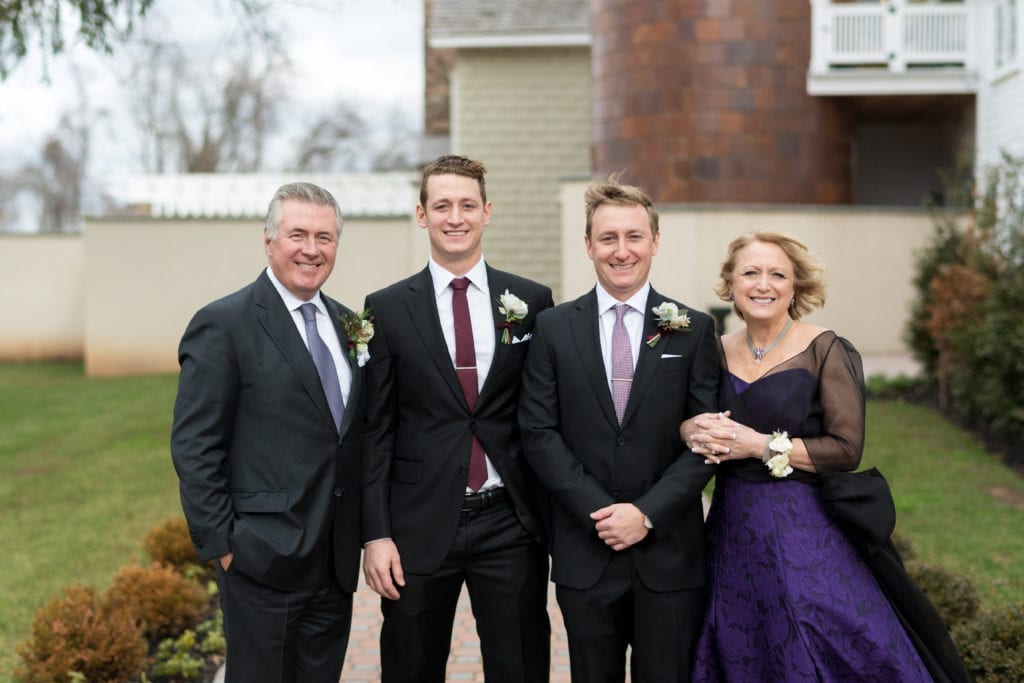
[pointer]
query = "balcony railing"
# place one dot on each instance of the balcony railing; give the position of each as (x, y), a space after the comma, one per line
(893, 38)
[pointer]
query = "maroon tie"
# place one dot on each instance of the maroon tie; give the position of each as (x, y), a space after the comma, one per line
(465, 370)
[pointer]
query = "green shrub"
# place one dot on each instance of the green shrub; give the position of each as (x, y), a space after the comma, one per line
(162, 600)
(175, 658)
(900, 387)
(169, 544)
(992, 645)
(192, 653)
(81, 637)
(954, 596)
(965, 326)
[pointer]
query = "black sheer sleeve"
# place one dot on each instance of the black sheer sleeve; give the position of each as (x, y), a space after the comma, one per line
(841, 395)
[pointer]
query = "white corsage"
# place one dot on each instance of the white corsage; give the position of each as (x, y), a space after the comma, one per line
(514, 309)
(776, 456)
(359, 328)
(670, 320)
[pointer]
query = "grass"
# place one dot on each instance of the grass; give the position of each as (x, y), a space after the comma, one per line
(958, 505)
(85, 472)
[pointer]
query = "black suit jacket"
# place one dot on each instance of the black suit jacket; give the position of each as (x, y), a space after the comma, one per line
(264, 472)
(574, 444)
(420, 428)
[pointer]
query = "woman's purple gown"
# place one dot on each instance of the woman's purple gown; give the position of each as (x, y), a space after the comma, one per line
(789, 598)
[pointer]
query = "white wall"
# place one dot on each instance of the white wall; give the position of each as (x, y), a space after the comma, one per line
(41, 297)
(143, 280)
(1000, 100)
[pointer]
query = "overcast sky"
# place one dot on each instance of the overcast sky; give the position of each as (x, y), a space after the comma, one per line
(368, 52)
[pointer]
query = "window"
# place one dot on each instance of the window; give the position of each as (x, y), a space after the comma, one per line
(1006, 29)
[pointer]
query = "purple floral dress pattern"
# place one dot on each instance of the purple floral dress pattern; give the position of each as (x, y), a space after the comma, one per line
(789, 598)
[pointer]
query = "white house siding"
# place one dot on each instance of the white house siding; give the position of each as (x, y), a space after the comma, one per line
(1000, 126)
(525, 114)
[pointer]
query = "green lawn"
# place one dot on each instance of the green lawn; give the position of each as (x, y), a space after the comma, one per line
(85, 471)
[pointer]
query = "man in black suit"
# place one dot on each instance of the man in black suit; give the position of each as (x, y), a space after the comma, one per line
(446, 498)
(267, 441)
(626, 520)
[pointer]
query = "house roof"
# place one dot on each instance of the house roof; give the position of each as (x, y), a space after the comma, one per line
(500, 23)
(246, 195)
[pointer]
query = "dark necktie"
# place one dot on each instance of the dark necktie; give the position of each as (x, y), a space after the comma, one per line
(465, 370)
(324, 363)
(622, 362)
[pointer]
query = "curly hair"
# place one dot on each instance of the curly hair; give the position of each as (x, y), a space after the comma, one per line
(808, 272)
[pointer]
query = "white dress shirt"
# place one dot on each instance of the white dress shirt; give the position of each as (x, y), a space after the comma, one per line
(481, 313)
(633, 321)
(324, 326)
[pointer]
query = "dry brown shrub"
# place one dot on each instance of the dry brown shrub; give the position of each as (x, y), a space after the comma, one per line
(80, 634)
(162, 600)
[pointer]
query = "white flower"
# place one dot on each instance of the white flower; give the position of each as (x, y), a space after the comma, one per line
(670, 320)
(780, 443)
(512, 307)
(359, 328)
(778, 466)
(777, 458)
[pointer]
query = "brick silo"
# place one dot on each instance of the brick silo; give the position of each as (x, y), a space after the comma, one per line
(706, 101)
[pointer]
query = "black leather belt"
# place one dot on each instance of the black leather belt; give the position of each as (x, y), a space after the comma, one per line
(485, 499)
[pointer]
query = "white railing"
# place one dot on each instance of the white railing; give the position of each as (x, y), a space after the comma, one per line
(204, 195)
(890, 35)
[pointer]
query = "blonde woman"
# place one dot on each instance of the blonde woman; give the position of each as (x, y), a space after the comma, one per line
(789, 596)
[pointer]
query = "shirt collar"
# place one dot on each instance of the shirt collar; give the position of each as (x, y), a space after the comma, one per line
(442, 277)
(291, 301)
(637, 302)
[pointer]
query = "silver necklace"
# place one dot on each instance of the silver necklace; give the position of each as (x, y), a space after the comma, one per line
(759, 351)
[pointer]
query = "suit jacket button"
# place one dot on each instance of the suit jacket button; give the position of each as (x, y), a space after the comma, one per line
(621, 441)
(464, 470)
(337, 493)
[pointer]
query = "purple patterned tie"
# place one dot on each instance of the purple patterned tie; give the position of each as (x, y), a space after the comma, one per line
(622, 362)
(465, 370)
(324, 363)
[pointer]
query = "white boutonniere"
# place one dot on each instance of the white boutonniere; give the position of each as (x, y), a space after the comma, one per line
(359, 328)
(670, 320)
(514, 309)
(776, 456)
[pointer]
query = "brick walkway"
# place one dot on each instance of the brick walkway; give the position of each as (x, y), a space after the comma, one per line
(362, 663)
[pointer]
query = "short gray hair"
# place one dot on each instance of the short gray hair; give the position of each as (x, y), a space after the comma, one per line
(303, 192)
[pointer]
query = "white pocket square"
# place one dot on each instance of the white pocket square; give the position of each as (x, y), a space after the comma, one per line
(526, 337)
(670, 355)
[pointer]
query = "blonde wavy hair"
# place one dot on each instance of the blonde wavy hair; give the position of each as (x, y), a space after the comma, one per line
(808, 272)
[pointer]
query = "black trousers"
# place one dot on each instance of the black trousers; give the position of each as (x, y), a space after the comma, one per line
(619, 611)
(506, 574)
(278, 636)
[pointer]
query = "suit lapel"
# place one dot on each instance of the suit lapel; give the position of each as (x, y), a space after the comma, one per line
(647, 360)
(587, 337)
(422, 308)
(276, 320)
(496, 284)
(335, 313)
